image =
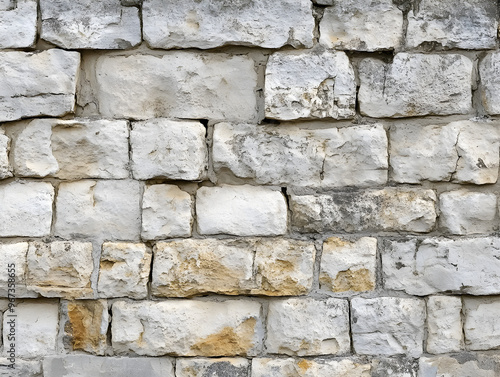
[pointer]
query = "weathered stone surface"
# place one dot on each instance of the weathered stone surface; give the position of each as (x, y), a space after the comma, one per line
(334, 157)
(387, 209)
(36, 326)
(26, 209)
(469, 25)
(263, 367)
(168, 149)
(394, 367)
(60, 269)
(14, 253)
(207, 24)
(464, 365)
(309, 85)
(173, 327)
(34, 84)
(104, 24)
(293, 327)
(23, 368)
(465, 212)
(18, 24)
(5, 168)
(177, 85)
(489, 70)
(388, 326)
(481, 325)
(444, 324)
(241, 211)
(75, 365)
(465, 266)
(124, 270)
(86, 325)
(231, 367)
(415, 85)
(70, 149)
(99, 209)
(358, 25)
(348, 266)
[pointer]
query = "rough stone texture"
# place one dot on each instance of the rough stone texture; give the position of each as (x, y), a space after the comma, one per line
(86, 365)
(230, 367)
(387, 326)
(294, 328)
(26, 209)
(309, 85)
(177, 84)
(87, 325)
(481, 325)
(18, 24)
(415, 85)
(362, 26)
(13, 253)
(348, 266)
(173, 327)
(444, 324)
(241, 211)
(70, 149)
(464, 266)
(34, 84)
(24, 368)
(397, 209)
(60, 269)
(5, 168)
(489, 70)
(264, 367)
(104, 24)
(469, 25)
(208, 24)
(466, 366)
(334, 157)
(394, 367)
(465, 212)
(124, 270)
(99, 209)
(168, 149)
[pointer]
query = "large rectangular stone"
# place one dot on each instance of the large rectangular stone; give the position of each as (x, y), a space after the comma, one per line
(204, 367)
(18, 24)
(489, 70)
(267, 367)
(481, 324)
(444, 324)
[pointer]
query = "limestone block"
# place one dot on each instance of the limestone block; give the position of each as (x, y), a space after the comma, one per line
(18, 24)
(469, 25)
(26, 209)
(100, 209)
(86, 325)
(34, 84)
(177, 84)
(124, 270)
(394, 367)
(241, 211)
(168, 149)
(294, 328)
(397, 209)
(481, 325)
(74, 365)
(348, 266)
(104, 24)
(358, 25)
(444, 324)
(325, 158)
(36, 325)
(264, 367)
(415, 85)
(208, 24)
(23, 368)
(13, 258)
(233, 367)
(489, 70)
(465, 266)
(388, 326)
(465, 212)
(70, 149)
(464, 365)
(173, 327)
(60, 269)
(5, 168)
(309, 85)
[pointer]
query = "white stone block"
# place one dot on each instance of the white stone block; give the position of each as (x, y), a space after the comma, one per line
(18, 24)
(266, 367)
(444, 324)
(481, 325)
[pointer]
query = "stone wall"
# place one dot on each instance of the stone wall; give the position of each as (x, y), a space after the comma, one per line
(249, 188)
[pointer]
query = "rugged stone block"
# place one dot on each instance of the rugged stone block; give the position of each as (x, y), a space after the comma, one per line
(388, 326)
(489, 70)
(264, 367)
(241, 211)
(233, 367)
(14, 253)
(23, 368)
(444, 324)
(394, 367)
(464, 365)
(207, 24)
(334, 157)
(293, 327)
(34, 84)
(481, 326)
(309, 85)
(415, 85)
(18, 24)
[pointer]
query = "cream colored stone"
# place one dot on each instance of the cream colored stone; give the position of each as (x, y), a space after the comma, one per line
(13, 258)
(231, 367)
(265, 367)
(444, 324)
(18, 24)
(5, 168)
(481, 325)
